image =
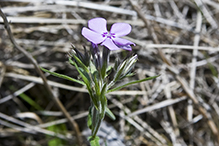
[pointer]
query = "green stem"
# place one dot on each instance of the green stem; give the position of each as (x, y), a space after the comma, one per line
(96, 122)
(96, 129)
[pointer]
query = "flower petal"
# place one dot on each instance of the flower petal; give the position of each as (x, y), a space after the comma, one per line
(122, 42)
(120, 29)
(92, 36)
(110, 44)
(97, 25)
(127, 47)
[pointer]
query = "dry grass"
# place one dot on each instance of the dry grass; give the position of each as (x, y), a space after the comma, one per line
(177, 39)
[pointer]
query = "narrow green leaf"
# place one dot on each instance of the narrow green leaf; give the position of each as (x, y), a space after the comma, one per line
(133, 82)
(213, 69)
(103, 91)
(78, 54)
(96, 83)
(96, 120)
(84, 75)
(104, 105)
(85, 78)
(103, 100)
(89, 119)
(63, 76)
(80, 63)
(110, 114)
(116, 64)
(30, 101)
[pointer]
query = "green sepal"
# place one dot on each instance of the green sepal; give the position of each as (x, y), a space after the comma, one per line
(127, 75)
(63, 76)
(92, 68)
(124, 69)
(120, 71)
(105, 61)
(133, 82)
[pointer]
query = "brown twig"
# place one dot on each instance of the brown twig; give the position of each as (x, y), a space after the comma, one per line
(48, 88)
(2, 73)
(184, 84)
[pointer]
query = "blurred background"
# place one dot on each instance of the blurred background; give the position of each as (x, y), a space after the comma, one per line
(176, 39)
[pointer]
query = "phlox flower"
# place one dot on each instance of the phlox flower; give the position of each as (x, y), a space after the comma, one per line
(98, 34)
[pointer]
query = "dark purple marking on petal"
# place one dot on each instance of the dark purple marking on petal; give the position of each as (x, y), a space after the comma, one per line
(104, 34)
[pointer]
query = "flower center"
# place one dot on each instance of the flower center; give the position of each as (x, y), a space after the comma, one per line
(108, 35)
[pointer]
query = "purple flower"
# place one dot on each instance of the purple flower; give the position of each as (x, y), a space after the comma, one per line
(98, 34)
